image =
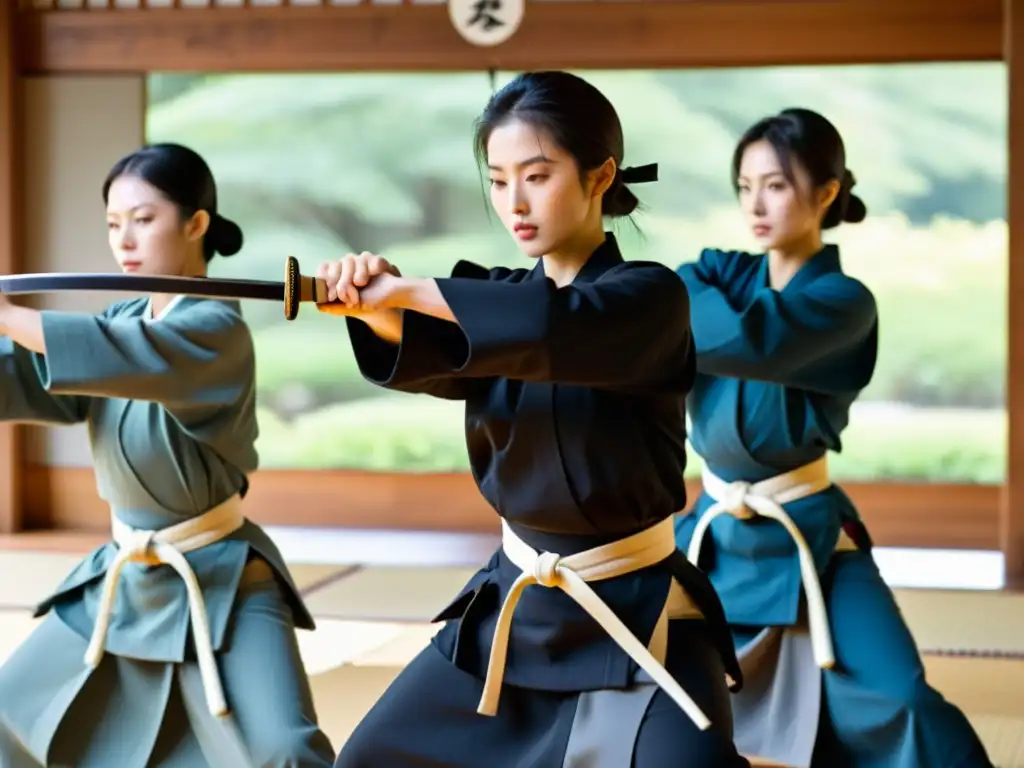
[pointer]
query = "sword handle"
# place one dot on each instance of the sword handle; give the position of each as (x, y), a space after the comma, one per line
(299, 288)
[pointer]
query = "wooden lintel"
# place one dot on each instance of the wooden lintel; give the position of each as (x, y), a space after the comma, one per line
(577, 35)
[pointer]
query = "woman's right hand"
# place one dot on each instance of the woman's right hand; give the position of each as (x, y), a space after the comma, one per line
(347, 275)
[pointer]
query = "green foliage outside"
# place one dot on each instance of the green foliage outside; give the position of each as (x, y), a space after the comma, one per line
(317, 165)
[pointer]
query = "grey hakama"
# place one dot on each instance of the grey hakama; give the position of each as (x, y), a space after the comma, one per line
(170, 407)
(874, 709)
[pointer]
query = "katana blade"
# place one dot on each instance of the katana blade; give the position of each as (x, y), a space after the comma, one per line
(213, 287)
(295, 288)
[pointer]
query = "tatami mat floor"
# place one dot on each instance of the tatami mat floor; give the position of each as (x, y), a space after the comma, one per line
(373, 609)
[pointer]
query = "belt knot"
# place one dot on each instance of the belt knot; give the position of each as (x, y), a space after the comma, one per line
(138, 545)
(545, 569)
(735, 499)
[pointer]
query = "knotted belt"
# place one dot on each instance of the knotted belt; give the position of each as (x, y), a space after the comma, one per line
(571, 574)
(168, 546)
(745, 501)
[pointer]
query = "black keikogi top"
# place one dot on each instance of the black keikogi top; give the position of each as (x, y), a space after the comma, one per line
(575, 425)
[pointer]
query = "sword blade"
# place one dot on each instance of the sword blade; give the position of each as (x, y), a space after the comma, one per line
(212, 287)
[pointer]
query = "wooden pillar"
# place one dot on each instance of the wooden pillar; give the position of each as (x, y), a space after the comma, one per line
(1011, 523)
(11, 450)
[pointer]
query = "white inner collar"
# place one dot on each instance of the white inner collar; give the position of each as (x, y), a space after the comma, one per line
(148, 314)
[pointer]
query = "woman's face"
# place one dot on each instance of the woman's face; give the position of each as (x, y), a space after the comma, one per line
(537, 191)
(146, 233)
(781, 213)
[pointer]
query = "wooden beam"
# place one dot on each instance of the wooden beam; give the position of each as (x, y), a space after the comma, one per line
(11, 221)
(1011, 519)
(898, 515)
(577, 35)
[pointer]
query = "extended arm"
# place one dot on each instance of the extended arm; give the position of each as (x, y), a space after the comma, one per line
(627, 330)
(191, 357)
(790, 338)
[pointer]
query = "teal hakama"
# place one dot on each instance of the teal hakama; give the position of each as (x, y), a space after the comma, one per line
(170, 405)
(777, 374)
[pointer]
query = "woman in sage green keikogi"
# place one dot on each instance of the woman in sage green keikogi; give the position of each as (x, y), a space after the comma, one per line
(125, 670)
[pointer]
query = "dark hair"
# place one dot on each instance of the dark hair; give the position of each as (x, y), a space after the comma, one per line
(578, 117)
(184, 178)
(816, 145)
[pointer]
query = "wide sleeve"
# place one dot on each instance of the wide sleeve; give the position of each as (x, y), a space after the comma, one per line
(429, 354)
(421, 363)
(795, 338)
(198, 357)
(23, 393)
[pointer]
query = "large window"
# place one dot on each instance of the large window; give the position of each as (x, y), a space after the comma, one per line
(318, 165)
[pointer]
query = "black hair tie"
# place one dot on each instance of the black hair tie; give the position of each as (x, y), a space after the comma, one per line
(641, 174)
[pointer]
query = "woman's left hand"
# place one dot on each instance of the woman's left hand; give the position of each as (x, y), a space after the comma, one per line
(358, 284)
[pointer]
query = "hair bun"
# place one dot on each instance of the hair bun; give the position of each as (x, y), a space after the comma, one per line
(619, 201)
(224, 235)
(855, 211)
